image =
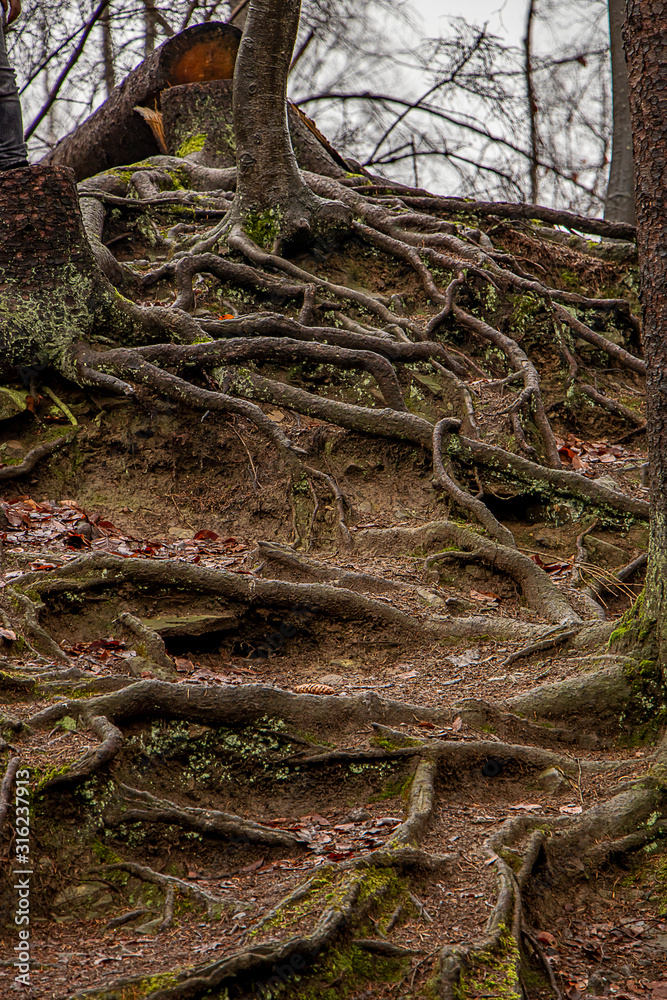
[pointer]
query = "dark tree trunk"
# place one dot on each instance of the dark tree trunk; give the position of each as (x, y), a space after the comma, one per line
(51, 291)
(645, 35)
(271, 195)
(115, 134)
(620, 201)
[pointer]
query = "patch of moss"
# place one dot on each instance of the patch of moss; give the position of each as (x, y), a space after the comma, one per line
(494, 972)
(191, 145)
(264, 227)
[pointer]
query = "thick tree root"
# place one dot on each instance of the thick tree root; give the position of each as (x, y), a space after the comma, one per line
(144, 807)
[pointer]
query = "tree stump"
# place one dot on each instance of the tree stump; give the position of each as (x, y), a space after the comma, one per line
(115, 134)
(51, 290)
(197, 120)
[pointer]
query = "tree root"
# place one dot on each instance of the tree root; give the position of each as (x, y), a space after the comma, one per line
(99, 570)
(166, 882)
(324, 571)
(474, 506)
(9, 472)
(144, 807)
(92, 760)
(6, 788)
(408, 427)
(286, 350)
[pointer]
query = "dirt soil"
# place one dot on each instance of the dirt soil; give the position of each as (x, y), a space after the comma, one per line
(276, 742)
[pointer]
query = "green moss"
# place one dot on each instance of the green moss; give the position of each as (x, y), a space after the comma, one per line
(138, 988)
(54, 772)
(264, 227)
(395, 787)
(494, 972)
(191, 145)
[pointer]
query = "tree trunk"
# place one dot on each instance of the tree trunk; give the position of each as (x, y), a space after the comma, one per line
(272, 201)
(620, 200)
(115, 134)
(107, 53)
(645, 35)
(51, 291)
(530, 100)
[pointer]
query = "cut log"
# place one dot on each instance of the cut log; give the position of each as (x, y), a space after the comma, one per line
(115, 134)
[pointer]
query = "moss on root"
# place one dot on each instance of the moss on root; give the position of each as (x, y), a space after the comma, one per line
(494, 972)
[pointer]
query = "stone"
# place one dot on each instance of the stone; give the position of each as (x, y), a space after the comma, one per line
(150, 927)
(139, 666)
(179, 625)
(332, 679)
(427, 597)
(346, 664)
(552, 780)
(77, 895)
(12, 403)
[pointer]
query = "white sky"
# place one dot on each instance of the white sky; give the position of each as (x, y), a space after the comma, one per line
(504, 17)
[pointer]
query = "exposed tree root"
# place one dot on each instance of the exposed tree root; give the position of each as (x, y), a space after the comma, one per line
(144, 807)
(9, 472)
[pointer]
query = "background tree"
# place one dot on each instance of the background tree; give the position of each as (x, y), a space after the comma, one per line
(620, 200)
(449, 112)
(646, 50)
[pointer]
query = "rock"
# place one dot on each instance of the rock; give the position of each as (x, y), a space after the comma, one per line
(11, 403)
(358, 816)
(151, 927)
(76, 896)
(180, 625)
(334, 680)
(428, 598)
(552, 780)
(139, 666)
(180, 533)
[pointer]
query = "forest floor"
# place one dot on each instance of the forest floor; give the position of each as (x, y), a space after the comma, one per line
(334, 770)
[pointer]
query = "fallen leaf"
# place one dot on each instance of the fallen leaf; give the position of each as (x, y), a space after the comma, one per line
(571, 810)
(206, 534)
(527, 806)
(8, 633)
(483, 595)
(253, 867)
(544, 937)
(456, 724)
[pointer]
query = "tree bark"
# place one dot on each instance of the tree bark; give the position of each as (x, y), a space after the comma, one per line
(530, 100)
(51, 291)
(620, 200)
(645, 35)
(272, 201)
(115, 134)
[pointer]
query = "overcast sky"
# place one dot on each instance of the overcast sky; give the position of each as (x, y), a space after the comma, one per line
(504, 17)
